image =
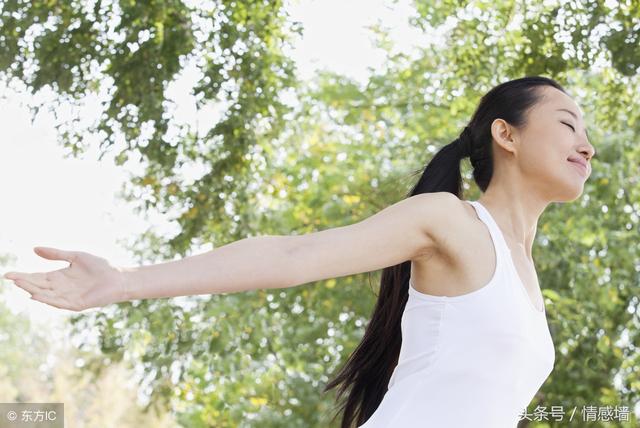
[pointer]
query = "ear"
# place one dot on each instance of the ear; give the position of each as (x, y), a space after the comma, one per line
(503, 133)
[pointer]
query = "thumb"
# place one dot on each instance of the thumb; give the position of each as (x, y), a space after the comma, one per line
(54, 253)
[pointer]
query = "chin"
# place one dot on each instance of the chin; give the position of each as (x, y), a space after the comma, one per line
(570, 190)
(566, 191)
(570, 195)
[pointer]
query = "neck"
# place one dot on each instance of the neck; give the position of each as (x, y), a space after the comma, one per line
(516, 216)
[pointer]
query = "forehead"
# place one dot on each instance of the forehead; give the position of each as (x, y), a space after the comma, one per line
(556, 100)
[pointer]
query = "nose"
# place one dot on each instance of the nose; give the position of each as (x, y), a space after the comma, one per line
(589, 150)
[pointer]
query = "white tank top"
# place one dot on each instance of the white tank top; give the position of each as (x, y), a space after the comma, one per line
(473, 360)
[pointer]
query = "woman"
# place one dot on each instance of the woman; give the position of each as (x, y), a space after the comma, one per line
(458, 336)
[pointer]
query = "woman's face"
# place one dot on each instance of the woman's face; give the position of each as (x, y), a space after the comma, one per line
(543, 155)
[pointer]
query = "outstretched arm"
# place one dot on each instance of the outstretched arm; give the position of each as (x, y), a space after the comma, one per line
(400, 232)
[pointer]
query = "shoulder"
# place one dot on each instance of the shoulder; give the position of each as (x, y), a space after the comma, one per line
(443, 208)
(446, 219)
(441, 213)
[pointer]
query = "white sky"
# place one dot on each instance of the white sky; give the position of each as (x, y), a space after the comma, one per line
(71, 203)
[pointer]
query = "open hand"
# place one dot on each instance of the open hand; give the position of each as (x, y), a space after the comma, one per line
(89, 281)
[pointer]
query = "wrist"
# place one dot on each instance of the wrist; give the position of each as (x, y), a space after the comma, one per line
(124, 284)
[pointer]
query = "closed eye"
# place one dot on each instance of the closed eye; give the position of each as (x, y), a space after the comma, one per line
(574, 129)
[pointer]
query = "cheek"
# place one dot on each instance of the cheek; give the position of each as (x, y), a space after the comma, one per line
(535, 154)
(544, 157)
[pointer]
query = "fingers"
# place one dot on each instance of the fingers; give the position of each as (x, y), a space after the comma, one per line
(39, 279)
(32, 288)
(46, 295)
(54, 253)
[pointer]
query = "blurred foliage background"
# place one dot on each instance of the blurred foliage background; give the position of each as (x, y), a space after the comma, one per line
(290, 156)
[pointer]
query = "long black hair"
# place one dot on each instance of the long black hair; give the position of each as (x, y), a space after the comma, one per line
(367, 372)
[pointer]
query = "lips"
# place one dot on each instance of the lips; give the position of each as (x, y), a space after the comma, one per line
(578, 159)
(581, 166)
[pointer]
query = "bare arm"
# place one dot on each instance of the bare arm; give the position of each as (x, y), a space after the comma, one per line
(403, 231)
(397, 233)
(247, 264)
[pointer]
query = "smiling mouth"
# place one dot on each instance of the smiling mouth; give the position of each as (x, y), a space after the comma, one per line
(582, 168)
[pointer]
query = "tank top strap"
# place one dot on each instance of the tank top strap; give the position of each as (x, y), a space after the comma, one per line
(499, 242)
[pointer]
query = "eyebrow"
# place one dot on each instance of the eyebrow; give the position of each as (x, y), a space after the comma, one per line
(568, 111)
(576, 118)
